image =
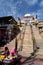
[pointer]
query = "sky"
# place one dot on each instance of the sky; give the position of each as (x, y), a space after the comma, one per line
(18, 8)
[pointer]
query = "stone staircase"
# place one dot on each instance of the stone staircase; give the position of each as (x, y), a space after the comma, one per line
(27, 43)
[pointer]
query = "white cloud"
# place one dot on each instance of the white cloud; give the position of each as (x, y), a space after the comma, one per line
(39, 13)
(41, 3)
(31, 2)
(8, 7)
(18, 3)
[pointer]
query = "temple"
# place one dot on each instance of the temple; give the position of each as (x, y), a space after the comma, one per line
(8, 28)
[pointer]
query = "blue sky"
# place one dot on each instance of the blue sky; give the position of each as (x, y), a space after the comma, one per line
(18, 8)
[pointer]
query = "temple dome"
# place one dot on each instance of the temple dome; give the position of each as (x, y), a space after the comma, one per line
(27, 15)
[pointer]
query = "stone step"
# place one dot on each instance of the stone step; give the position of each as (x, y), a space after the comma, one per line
(25, 54)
